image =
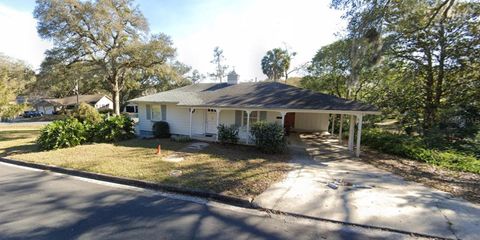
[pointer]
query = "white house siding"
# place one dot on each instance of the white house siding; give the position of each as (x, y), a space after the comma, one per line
(178, 119)
(227, 117)
(311, 121)
(143, 124)
(198, 121)
(104, 101)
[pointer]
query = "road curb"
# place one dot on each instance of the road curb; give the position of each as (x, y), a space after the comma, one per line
(239, 202)
(136, 183)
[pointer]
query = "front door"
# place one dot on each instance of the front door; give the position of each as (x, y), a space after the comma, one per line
(289, 122)
(211, 121)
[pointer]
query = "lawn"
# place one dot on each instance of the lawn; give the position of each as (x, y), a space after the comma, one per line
(232, 170)
(19, 139)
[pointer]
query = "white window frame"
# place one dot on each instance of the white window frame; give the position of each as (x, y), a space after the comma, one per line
(153, 115)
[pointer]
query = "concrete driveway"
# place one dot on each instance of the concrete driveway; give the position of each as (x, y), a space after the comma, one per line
(366, 195)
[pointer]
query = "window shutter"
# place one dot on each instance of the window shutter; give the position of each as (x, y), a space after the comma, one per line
(149, 112)
(238, 118)
(164, 112)
(263, 115)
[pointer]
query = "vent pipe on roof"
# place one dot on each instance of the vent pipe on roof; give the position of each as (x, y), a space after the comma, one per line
(232, 77)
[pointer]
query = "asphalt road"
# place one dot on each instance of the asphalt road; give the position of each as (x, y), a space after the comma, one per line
(45, 205)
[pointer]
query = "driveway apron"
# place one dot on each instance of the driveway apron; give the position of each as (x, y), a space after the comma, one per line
(361, 193)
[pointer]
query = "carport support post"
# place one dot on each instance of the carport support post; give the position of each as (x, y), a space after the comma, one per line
(359, 135)
(283, 118)
(218, 120)
(190, 110)
(248, 125)
(351, 132)
(333, 123)
(340, 131)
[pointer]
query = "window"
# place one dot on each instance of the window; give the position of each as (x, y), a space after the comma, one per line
(131, 109)
(253, 118)
(156, 113)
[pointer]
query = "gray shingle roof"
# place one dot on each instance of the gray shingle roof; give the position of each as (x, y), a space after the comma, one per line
(254, 95)
(72, 100)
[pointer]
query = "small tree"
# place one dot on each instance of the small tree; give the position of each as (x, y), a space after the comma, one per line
(220, 67)
(87, 114)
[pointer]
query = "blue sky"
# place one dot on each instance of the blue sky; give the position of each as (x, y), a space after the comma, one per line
(245, 30)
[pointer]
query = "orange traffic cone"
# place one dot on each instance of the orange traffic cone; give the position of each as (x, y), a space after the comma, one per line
(159, 150)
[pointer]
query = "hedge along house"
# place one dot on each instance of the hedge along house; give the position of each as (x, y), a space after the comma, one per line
(196, 110)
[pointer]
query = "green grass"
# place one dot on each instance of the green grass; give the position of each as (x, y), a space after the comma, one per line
(18, 140)
(232, 170)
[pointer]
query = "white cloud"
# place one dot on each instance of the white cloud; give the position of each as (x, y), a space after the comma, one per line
(245, 34)
(19, 38)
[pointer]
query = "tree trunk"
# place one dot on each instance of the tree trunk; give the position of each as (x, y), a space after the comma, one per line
(116, 98)
(429, 108)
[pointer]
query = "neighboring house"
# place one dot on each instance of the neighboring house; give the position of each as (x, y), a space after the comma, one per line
(51, 105)
(196, 110)
(131, 109)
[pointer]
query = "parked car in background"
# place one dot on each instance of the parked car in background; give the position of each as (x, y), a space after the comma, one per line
(30, 114)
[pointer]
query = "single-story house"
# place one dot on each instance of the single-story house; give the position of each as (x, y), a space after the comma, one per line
(51, 105)
(196, 110)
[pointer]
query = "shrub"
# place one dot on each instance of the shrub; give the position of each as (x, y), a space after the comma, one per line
(61, 134)
(227, 134)
(417, 149)
(161, 129)
(106, 111)
(114, 129)
(86, 113)
(180, 138)
(269, 137)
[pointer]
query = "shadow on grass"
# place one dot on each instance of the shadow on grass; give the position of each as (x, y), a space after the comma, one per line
(18, 142)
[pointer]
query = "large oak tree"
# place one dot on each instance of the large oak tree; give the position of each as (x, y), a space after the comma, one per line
(110, 35)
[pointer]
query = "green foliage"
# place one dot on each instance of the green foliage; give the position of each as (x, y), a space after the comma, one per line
(71, 132)
(220, 66)
(114, 129)
(161, 129)
(276, 63)
(269, 137)
(62, 134)
(15, 76)
(87, 114)
(227, 134)
(417, 148)
(121, 52)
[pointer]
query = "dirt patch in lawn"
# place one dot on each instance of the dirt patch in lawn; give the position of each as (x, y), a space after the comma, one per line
(459, 184)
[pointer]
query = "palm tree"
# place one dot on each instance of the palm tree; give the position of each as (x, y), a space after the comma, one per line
(275, 63)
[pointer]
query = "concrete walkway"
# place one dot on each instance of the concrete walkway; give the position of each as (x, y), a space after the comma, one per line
(366, 195)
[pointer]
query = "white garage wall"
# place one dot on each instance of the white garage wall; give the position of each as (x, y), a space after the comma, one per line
(311, 121)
